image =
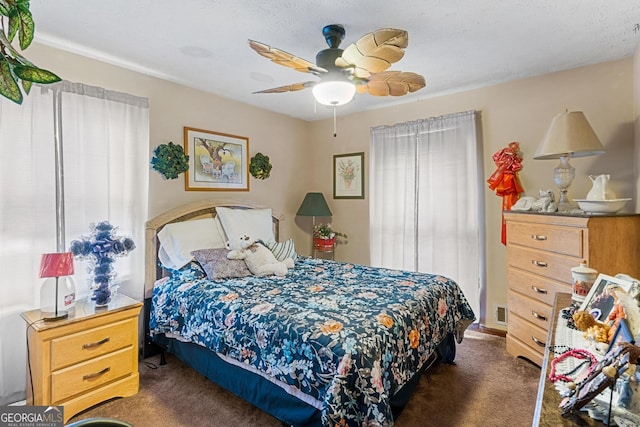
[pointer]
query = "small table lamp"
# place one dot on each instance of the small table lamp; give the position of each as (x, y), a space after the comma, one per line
(314, 205)
(58, 266)
(569, 135)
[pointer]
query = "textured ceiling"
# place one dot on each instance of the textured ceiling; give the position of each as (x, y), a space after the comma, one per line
(456, 44)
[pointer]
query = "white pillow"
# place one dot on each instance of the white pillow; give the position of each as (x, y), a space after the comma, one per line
(255, 223)
(177, 240)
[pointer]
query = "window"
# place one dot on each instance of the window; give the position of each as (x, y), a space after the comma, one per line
(106, 146)
(426, 204)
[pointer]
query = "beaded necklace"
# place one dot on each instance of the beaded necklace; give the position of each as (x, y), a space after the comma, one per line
(578, 354)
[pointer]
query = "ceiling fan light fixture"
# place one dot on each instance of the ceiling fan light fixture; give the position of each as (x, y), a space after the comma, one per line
(334, 93)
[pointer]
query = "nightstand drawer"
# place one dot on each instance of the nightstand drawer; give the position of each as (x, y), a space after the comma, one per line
(562, 240)
(534, 286)
(80, 378)
(545, 264)
(75, 348)
(530, 309)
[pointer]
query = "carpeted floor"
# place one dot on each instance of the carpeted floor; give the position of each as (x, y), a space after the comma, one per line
(487, 387)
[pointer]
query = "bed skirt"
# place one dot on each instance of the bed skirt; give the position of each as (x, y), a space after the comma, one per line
(270, 397)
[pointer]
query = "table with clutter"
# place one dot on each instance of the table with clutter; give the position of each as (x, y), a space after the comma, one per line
(585, 380)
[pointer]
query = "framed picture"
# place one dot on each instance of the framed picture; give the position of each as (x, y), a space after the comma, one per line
(217, 161)
(604, 295)
(622, 334)
(348, 176)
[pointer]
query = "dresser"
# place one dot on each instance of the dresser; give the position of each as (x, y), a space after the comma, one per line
(85, 359)
(541, 250)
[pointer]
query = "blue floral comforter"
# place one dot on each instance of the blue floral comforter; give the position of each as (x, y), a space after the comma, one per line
(348, 335)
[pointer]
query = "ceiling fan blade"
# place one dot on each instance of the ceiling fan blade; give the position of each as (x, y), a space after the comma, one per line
(288, 88)
(284, 58)
(374, 52)
(392, 83)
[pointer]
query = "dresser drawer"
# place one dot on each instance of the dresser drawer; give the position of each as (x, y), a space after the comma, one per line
(534, 286)
(558, 239)
(88, 375)
(529, 334)
(518, 348)
(81, 346)
(545, 264)
(530, 309)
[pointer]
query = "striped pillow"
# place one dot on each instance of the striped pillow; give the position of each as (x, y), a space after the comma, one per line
(283, 250)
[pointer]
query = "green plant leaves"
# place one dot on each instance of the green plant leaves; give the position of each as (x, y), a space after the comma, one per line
(13, 66)
(169, 160)
(260, 167)
(35, 74)
(8, 85)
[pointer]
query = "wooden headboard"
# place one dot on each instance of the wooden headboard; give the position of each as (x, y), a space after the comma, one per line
(188, 212)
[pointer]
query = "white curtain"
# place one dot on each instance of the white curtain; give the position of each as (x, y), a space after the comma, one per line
(105, 142)
(426, 203)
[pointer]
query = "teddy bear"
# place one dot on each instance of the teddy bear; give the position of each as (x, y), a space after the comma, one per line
(259, 259)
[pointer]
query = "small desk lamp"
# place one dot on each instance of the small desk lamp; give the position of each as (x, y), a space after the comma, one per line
(569, 135)
(59, 266)
(314, 205)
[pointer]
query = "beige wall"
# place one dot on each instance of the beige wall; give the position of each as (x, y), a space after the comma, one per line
(516, 111)
(636, 120)
(519, 111)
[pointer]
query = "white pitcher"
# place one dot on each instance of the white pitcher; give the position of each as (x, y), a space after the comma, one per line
(600, 190)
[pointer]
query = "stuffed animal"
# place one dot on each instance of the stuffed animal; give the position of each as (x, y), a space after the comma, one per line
(259, 259)
(591, 327)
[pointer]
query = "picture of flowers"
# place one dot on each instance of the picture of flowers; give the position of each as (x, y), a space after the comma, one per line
(218, 161)
(348, 176)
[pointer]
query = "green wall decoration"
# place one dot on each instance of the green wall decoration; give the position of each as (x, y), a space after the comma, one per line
(15, 18)
(259, 166)
(169, 160)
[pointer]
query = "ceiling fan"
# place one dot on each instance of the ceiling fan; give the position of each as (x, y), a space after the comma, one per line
(358, 68)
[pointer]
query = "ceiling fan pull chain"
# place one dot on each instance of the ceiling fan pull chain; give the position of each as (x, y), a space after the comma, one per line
(334, 122)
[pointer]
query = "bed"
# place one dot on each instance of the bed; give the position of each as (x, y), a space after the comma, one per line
(330, 343)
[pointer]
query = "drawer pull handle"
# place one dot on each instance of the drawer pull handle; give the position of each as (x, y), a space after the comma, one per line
(97, 374)
(538, 316)
(537, 341)
(96, 344)
(538, 263)
(538, 290)
(538, 237)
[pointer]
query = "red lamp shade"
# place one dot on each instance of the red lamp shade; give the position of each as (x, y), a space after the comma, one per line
(56, 264)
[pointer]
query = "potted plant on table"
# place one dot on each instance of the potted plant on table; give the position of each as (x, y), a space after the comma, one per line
(324, 237)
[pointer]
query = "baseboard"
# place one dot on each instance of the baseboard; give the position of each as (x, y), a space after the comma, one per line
(489, 331)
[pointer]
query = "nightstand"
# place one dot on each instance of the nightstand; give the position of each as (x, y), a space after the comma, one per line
(85, 359)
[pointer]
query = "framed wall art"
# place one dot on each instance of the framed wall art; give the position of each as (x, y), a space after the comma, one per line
(348, 176)
(217, 161)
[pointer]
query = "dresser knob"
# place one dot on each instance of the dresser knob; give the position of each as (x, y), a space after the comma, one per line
(538, 263)
(537, 341)
(538, 237)
(538, 290)
(538, 316)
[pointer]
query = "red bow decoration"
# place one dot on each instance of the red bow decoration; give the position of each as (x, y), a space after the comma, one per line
(505, 180)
